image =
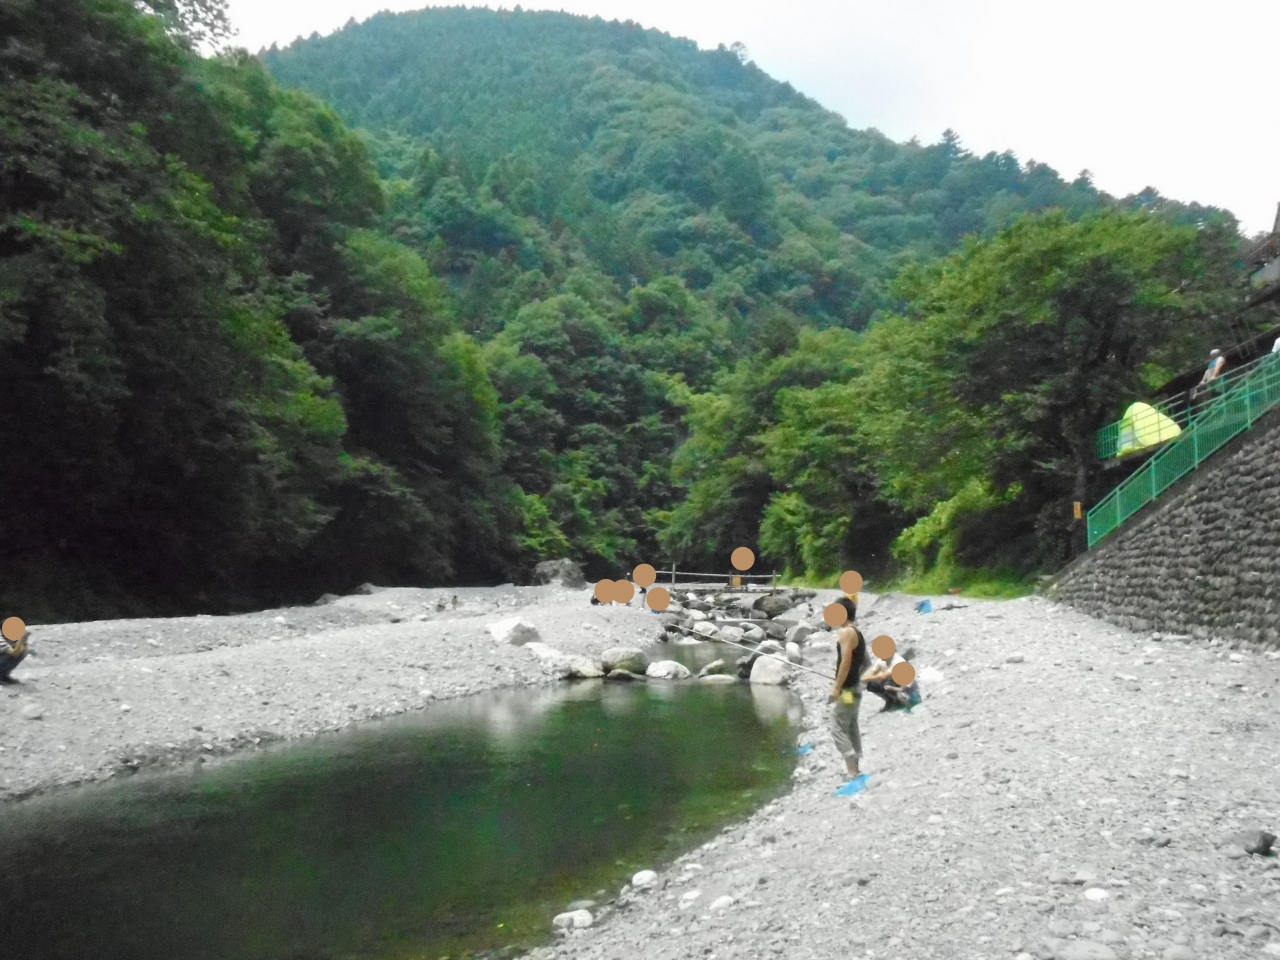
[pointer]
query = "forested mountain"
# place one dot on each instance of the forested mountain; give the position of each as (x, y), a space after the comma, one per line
(572, 288)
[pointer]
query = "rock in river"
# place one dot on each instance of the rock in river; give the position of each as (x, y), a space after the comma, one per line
(769, 670)
(625, 658)
(715, 666)
(572, 919)
(668, 670)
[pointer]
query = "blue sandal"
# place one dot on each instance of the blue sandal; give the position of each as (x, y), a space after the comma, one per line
(854, 786)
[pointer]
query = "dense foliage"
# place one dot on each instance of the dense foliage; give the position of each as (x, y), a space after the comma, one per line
(577, 288)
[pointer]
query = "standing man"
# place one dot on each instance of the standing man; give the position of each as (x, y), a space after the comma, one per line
(851, 663)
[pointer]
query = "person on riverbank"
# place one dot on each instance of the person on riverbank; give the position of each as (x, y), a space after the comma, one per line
(879, 680)
(851, 663)
(12, 653)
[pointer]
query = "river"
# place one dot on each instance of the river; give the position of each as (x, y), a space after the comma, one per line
(453, 830)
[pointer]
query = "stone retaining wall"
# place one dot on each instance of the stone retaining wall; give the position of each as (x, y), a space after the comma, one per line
(1204, 560)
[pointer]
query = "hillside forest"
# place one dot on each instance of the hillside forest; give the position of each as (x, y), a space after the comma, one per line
(451, 292)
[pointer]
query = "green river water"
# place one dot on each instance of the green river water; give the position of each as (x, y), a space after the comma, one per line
(458, 829)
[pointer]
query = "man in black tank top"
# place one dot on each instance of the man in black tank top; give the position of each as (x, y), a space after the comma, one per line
(851, 662)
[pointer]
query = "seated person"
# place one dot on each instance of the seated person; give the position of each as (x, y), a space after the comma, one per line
(879, 680)
(12, 653)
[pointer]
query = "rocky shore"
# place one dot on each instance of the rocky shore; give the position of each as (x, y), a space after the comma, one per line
(1067, 790)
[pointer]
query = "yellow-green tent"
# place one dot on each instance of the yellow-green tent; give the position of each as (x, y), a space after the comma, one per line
(1144, 426)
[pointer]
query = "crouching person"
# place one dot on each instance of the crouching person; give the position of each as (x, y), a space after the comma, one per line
(13, 646)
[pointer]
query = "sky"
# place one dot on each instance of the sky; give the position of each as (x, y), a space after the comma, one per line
(1141, 93)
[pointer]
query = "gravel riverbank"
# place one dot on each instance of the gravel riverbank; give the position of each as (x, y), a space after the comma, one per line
(104, 698)
(1069, 790)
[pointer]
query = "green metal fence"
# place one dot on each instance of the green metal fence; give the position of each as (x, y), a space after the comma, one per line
(1109, 439)
(1229, 414)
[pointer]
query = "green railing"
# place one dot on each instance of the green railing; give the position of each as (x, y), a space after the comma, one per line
(1109, 439)
(1229, 414)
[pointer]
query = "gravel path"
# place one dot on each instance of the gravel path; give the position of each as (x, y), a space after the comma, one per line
(1077, 804)
(99, 699)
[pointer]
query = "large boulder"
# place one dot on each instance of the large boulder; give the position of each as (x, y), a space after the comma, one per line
(564, 572)
(731, 633)
(794, 654)
(707, 630)
(753, 634)
(667, 670)
(800, 633)
(632, 659)
(771, 671)
(774, 604)
(514, 631)
(744, 665)
(776, 629)
(772, 646)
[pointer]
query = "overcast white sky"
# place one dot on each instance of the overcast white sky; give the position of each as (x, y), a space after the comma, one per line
(1174, 94)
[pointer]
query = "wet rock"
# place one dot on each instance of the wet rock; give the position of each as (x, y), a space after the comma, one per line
(794, 654)
(800, 632)
(753, 634)
(745, 664)
(718, 678)
(774, 604)
(667, 670)
(632, 659)
(731, 633)
(572, 920)
(514, 631)
(644, 878)
(623, 675)
(715, 666)
(775, 630)
(706, 630)
(769, 671)
(564, 572)
(581, 905)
